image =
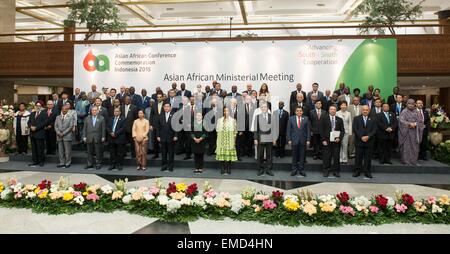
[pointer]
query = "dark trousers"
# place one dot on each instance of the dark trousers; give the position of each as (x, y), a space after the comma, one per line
(298, 157)
(317, 145)
(384, 150)
(37, 150)
(247, 141)
(96, 148)
(363, 159)
(240, 150)
(168, 154)
(265, 146)
(22, 143)
(423, 146)
(50, 141)
(198, 160)
(212, 138)
(155, 145)
(280, 149)
(130, 141)
(331, 153)
(184, 143)
(116, 153)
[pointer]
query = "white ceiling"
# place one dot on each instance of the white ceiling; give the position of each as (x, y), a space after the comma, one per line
(164, 13)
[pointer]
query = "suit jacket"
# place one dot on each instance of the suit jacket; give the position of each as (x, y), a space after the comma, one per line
(360, 130)
(249, 115)
(319, 95)
(325, 128)
(315, 122)
(330, 103)
(119, 131)
(51, 118)
(352, 110)
(283, 121)
(94, 134)
(145, 102)
(108, 104)
(64, 127)
(164, 129)
(394, 109)
(426, 119)
(40, 122)
(339, 92)
(383, 124)
(305, 108)
(365, 101)
(391, 99)
(298, 136)
(187, 93)
(131, 116)
(373, 112)
(136, 100)
(263, 129)
(293, 98)
(235, 95)
(341, 98)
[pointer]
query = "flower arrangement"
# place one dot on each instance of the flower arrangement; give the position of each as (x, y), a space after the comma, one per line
(187, 202)
(438, 117)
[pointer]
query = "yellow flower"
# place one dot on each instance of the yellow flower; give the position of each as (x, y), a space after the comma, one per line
(43, 194)
(177, 195)
(222, 202)
(137, 195)
(37, 190)
(181, 187)
(2, 187)
(246, 202)
(85, 193)
(327, 207)
(93, 188)
(67, 196)
(56, 195)
(419, 207)
(444, 200)
(291, 205)
(117, 195)
(309, 208)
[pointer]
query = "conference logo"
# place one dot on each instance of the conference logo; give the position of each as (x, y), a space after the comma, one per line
(96, 63)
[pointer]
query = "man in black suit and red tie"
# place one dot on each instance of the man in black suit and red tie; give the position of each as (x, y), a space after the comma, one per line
(167, 137)
(298, 136)
(365, 130)
(50, 134)
(387, 125)
(283, 116)
(37, 122)
(116, 140)
(331, 141)
(316, 115)
(426, 121)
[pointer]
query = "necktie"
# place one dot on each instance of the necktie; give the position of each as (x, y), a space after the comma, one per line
(126, 110)
(159, 108)
(299, 122)
(281, 113)
(365, 121)
(398, 108)
(49, 112)
(167, 117)
(114, 125)
(421, 113)
(318, 114)
(333, 123)
(37, 113)
(94, 120)
(63, 118)
(387, 117)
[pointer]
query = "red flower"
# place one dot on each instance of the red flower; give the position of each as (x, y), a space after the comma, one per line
(80, 187)
(171, 189)
(191, 189)
(277, 195)
(45, 184)
(343, 197)
(407, 199)
(381, 201)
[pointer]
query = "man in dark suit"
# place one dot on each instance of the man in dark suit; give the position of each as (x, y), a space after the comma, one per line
(158, 108)
(331, 145)
(157, 91)
(94, 135)
(391, 98)
(334, 101)
(129, 114)
(167, 137)
(56, 102)
(145, 100)
(37, 122)
(293, 98)
(368, 100)
(365, 130)
(234, 93)
(76, 95)
(299, 101)
(377, 108)
(264, 139)
(136, 99)
(298, 135)
(108, 103)
(283, 118)
(50, 134)
(426, 121)
(123, 92)
(340, 91)
(212, 114)
(116, 140)
(247, 134)
(183, 92)
(387, 125)
(103, 111)
(315, 91)
(316, 116)
(398, 106)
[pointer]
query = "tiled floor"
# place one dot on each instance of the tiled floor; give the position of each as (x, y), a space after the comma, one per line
(24, 221)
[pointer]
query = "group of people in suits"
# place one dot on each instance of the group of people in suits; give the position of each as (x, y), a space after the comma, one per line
(337, 126)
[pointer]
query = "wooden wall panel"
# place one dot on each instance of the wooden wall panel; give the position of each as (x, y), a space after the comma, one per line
(417, 55)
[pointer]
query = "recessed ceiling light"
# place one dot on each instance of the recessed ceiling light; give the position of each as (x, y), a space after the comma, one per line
(320, 5)
(424, 85)
(170, 9)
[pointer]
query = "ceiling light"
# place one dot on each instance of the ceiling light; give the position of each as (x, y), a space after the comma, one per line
(424, 85)
(170, 9)
(320, 5)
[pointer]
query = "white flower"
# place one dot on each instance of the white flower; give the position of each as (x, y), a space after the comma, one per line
(147, 196)
(361, 203)
(236, 203)
(79, 199)
(391, 201)
(131, 191)
(186, 201)
(210, 201)
(53, 187)
(173, 205)
(436, 209)
(199, 200)
(70, 189)
(4, 194)
(327, 198)
(126, 199)
(107, 189)
(17, 187)
(163, 200)
(291, 197)
(31, 194)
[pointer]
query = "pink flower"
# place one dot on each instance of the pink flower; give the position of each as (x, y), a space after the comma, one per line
(373, 209)
(431, 200)
(347, 210)
(76, 193)
(400, 208)
(209, 194)
(269, 204)
(18, 195)
(93, 197)
(154, 190)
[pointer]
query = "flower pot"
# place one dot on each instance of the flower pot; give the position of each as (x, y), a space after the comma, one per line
(435, 138)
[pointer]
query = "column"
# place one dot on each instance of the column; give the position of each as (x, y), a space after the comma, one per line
(7, 19)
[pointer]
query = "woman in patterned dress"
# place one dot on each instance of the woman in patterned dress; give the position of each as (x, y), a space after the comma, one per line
(226, 136)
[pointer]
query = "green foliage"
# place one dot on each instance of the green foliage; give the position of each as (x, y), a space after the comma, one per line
(441, 152)
(98, 15)
(386, 12)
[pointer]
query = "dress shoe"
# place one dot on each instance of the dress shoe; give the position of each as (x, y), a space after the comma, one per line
(163, 169)
(187, 158)
(60, 166)
(67, 166)
(302, 173)
(98, 167)
(356, 174)
(293, 172)
(33, 165)
(368, 175)
(119, 167)
(88, 167)
(260, 172)
(337, 174)
(144, 168)
(325, 173)
(269, 172)
(111, 167)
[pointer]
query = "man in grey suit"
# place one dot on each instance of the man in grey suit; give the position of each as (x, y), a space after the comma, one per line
(315, 90)
(94, 133)
(64, 135)
(298, 135)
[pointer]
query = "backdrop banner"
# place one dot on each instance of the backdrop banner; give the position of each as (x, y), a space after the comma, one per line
(280, 64)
